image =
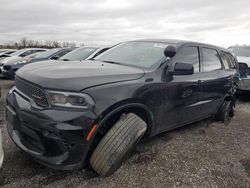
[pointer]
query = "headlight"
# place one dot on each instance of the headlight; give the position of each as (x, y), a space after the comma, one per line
(70, 99)
(20, 62)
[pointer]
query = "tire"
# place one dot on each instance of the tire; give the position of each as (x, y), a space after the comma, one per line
(117, 144)
(226, 112)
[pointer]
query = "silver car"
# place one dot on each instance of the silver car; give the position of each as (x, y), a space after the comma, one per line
(242, 54)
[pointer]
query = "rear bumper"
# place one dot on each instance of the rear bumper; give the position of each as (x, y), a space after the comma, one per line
(54, 138)
(244, 84)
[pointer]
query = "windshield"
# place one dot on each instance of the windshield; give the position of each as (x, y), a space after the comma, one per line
(78, 54)
(47, 53)
(140, 54)
(241, 51)
(35, 54)
(18, 52)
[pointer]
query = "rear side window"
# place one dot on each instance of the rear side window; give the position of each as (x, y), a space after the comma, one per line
(228, 60)
(211, 60)
(190, 55)
(232, 61)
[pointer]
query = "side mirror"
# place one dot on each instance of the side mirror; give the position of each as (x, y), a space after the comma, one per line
(243, 70)
(55, 58)
(183, 69)
(170, 51)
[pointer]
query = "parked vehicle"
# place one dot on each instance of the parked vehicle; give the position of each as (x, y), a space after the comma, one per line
(53, 54)
(83, 53)
(97, 111)
(243, 56)
(6, 53)
(9, 69)
(20, 53)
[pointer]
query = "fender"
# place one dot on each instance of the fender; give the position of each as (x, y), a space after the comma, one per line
(149, 115)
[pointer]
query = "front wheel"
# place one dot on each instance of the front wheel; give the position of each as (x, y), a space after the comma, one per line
(226, 112)
(117, 144)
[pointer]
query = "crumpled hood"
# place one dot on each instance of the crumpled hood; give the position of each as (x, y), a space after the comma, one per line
(242, 59)
(76, 76)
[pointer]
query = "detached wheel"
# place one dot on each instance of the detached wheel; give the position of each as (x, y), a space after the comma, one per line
(117, 144)
(226, 112)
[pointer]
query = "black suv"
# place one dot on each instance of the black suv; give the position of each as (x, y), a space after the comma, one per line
(65, 115)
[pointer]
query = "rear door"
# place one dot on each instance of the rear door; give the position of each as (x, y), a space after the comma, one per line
(216, 80)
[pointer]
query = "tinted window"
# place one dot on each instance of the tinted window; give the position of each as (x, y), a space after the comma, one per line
(232, 61)
(189, 55)
(136, 53)
(211, 60)
(228, 60)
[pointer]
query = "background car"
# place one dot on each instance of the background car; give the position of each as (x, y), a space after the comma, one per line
(19, 54)
(9, 69)
(83, 53)
(6, 53)
(242, 54)
(52, 54)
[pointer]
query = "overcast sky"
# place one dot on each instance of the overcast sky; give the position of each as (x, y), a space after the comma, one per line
(221, 22)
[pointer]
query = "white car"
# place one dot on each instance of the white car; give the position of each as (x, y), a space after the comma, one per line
(243, 56)
(1, 149)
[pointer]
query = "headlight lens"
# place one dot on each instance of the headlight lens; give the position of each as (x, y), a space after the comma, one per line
(70, 99)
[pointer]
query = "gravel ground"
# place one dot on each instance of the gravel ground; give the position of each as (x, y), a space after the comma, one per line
(204, 154)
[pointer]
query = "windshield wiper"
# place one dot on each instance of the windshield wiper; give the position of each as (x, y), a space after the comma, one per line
(65, 59)
(112, 62)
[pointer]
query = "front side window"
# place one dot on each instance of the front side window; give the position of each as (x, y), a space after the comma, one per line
(189, 55)
(211, 60)
(136, 53)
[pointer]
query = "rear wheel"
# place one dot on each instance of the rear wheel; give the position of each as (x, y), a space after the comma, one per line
(117, 144)
(226, 112)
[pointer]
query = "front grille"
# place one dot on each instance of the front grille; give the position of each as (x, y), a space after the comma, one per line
(32, 91)
(7, 67)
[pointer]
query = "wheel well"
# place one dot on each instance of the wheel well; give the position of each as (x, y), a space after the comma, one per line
(230, 98)
(139, 111)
